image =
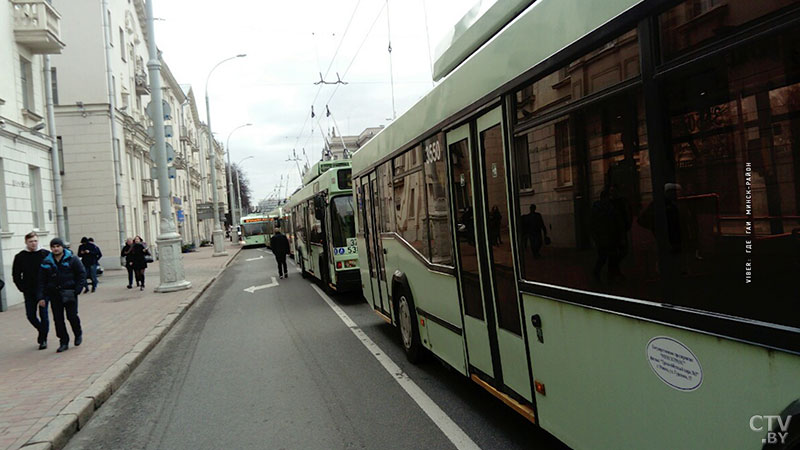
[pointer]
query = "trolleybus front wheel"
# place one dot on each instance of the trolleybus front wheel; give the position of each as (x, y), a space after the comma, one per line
(409, 330)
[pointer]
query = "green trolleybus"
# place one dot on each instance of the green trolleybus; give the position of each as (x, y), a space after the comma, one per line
(256, 229)
(323, 226)
(596, 217)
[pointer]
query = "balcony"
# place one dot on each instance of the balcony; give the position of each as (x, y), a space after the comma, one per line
(149, 193)
(37, 26)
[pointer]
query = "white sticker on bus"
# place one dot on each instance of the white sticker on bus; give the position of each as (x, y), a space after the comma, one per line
(674, 363)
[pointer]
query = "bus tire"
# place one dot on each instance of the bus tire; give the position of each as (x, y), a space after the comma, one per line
(407, 326)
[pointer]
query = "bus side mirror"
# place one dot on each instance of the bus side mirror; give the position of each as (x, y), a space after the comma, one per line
(319, 207)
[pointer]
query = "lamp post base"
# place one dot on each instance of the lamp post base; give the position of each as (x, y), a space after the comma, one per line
(219, 243)
(170, 265)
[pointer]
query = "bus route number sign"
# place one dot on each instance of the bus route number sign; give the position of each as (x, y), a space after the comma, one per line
(351, 249)
(433, 152)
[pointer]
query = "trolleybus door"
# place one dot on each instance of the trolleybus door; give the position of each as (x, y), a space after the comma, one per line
(503, 293)
(492, 257)
(381, 300)
(476, 332)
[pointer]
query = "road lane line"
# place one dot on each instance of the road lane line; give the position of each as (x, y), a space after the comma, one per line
(450, 429)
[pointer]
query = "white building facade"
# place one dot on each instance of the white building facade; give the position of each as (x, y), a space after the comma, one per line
(28, 31)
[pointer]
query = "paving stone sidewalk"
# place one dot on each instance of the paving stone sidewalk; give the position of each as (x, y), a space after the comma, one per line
(45, 396)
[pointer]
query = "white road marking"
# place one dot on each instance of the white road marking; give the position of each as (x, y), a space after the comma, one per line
(252, 289)
(255, 259)
(450, 429)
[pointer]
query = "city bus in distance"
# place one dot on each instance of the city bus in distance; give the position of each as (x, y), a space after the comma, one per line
(595, 216)
(322, 219)
(256, 229)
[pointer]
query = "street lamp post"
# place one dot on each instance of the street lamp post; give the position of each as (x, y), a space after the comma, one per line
(219, 249)
(231, 206)
(171, 271)
(239, 186)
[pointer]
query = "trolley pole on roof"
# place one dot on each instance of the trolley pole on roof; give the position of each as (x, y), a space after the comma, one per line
(169, 241)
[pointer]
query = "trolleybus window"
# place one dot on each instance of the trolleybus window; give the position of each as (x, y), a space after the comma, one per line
(385, 207)
(343, 222)
(411, 213)
(733, 205)
(693, 23)
(611, 64)
(314, 225)
(582, 234)
(438, 210)
(344, 178)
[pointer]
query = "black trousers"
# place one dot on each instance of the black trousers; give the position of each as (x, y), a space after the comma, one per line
(281, 260)
(71, 309)
(31, 308)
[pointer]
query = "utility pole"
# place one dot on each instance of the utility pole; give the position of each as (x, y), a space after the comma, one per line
(217, 235)
(168, 241)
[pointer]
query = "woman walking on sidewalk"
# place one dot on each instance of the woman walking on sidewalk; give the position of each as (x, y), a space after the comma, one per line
(138, 260)
(126, 253)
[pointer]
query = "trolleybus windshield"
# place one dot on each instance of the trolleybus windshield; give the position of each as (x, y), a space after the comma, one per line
(254, 228)
(342, 220)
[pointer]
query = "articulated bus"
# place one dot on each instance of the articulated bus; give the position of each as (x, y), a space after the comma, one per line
(323, 227)
(596, 217)
(256, 229)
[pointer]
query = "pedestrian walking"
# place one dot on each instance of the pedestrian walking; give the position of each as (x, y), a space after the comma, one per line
(90, 255)
(25, 271)
(280, 248)
(126, 253)
(138, 260)
(61, 279)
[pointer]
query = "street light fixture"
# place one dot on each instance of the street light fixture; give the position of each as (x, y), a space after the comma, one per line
(219, 249)
(239, 186)
(231, 206)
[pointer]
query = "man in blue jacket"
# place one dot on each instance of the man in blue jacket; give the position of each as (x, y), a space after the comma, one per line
(61, 279)
(90, 255)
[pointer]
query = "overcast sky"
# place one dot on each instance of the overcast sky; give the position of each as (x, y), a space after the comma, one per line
(287, 44)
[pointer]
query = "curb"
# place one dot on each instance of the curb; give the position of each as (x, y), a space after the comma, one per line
(56, 433)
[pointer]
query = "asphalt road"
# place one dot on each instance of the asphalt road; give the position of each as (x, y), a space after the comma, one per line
(278, 369)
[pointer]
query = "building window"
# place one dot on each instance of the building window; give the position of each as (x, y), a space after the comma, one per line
(523, 163)
(3, 199)
(37, 205)
(122, 48)
(131, 166)
(563, 154)
(60, 146)
(26, 79)
(54, 84)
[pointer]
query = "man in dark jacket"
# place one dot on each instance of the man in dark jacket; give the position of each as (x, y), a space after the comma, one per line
(61, 278)
(26, 276)
(280, 247)
(90, 254)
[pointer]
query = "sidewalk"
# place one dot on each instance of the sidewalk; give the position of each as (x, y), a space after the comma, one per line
(45, 396)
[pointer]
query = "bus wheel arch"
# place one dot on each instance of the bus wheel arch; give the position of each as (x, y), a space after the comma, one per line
(406, 318)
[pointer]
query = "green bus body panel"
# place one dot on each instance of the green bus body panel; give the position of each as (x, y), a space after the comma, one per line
(601, 392)
(540, 31)
(434, 293)
(471, 32)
